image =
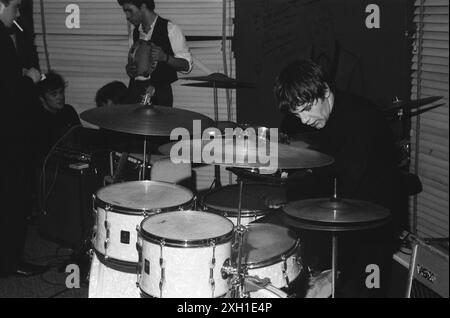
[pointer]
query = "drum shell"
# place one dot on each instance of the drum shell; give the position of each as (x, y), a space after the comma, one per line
(122, 223)
(105, 282)
(275, 271)
(186, 271)
(183, 254)
(219, 202)
(272, 251)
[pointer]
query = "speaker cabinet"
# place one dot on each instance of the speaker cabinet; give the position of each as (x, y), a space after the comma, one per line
(66, 215)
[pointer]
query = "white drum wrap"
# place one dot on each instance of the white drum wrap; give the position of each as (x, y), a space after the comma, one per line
(271, 251)
(105, 282)
(183, 254)
(121, 207)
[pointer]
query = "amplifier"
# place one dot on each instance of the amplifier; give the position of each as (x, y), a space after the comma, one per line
(420, 269)
(66, 204)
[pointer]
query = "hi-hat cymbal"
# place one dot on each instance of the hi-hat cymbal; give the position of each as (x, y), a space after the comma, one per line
(412, 104)
(144, 120)
(231, 85)
(217, 80)
(233, 153)
(336, 211)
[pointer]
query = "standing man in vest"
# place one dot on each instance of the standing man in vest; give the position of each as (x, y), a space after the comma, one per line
(169, 53)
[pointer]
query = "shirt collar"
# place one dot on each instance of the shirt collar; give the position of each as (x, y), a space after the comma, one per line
(150, 31)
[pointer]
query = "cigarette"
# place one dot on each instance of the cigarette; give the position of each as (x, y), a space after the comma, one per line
(18, 26)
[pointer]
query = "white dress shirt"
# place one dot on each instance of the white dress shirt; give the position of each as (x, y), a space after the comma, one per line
(177, 41)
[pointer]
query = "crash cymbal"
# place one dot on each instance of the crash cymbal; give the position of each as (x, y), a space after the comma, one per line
(336, 211)
(399, 104)
(233, 153)
(230, 85)
(144, 120)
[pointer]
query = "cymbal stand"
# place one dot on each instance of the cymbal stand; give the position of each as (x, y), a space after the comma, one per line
(239, 281)
(147, 101)
(334, 249)
(217, 183)
(146, 160)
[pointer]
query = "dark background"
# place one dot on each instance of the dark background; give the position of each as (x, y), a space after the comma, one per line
(374, 63)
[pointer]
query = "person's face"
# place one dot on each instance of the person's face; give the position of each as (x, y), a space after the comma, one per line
(314, 114)
(10, 13)
(132, 13)
(55, 99)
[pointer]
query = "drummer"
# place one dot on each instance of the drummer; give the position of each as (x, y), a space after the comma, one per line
(351, 130)
(169, 49)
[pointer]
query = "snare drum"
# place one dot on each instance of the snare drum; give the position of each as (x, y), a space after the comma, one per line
(121, 207)
(182, 254)
(225, 201)
(271, 251)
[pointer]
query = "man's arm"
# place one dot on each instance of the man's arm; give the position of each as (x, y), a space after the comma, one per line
(182, 59)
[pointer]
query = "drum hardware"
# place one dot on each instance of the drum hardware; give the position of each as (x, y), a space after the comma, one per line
(162, 266)
(336, 215)
(287, 158)
(216, 81)
(400, 105)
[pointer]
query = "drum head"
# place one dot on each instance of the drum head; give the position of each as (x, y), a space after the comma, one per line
(264, 243)
(144, 195)
(187, 228)
(226, 199)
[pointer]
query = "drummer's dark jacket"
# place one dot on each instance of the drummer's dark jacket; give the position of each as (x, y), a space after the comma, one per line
(163, 74)
(359, 138)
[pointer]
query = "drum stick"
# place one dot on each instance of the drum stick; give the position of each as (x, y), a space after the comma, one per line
(18, 26)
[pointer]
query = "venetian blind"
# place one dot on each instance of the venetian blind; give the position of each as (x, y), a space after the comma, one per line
(430, 133)
(96, 53)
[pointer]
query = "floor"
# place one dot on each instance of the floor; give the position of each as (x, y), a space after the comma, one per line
(49, 285)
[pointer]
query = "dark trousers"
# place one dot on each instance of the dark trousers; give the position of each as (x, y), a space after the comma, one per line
(15, 198)
(163, 94)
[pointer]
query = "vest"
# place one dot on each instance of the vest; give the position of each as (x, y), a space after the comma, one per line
(163, 75)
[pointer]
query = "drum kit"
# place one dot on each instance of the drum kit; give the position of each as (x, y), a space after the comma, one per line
(151, 240)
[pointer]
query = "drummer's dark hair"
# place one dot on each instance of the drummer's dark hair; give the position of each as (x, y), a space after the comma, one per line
(114, 91)
(138, 3)
(300, 82)
(51, 82)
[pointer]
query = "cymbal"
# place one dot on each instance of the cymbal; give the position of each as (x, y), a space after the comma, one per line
(411, 104)
(298, 224)
(231, 153)
(144, 120)
(217, 80)
(336, 211)
(230, 85)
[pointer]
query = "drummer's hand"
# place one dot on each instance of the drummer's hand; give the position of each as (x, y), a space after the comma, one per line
(132, 70)
(157, 53)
